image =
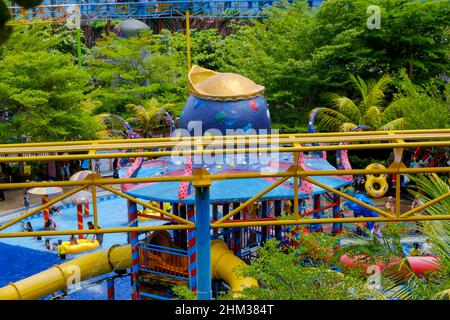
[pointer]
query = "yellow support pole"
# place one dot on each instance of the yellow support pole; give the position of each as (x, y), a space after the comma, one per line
(285, 135)
(188, 39)
(92, 231)
(94, 205)
(324, 220)
(213, 177)
(213, 151)
(296, 178)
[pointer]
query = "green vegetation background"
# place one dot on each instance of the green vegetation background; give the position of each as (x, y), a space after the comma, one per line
(298, 55)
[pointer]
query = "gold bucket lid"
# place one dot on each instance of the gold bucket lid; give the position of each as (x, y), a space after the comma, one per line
(221, 86)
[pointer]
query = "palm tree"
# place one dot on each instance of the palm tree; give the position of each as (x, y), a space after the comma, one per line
(148, 116)
(437, 231)
(370, 109)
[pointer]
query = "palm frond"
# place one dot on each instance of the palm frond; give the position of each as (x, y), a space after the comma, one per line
(376, 91)
(332, 119)
(437, 231)
(361, 87)
(397, 124)
(347, 107)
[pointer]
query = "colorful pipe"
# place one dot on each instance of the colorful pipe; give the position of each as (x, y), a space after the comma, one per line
(192, 251)
(111, 289)
(80, 219)
(317, 214)
(336, 227)
(203, 244)
(86, 209)
(133, 240)
(277, 205)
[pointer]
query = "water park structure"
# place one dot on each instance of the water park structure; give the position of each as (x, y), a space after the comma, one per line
(216, 196)
(111, 10)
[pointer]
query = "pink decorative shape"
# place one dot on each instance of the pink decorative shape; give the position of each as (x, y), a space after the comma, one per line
(183, 189)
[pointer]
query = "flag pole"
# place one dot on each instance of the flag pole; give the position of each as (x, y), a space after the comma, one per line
(188, 40)
(78, 26)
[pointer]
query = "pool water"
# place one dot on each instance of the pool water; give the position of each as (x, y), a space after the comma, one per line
(25, 256)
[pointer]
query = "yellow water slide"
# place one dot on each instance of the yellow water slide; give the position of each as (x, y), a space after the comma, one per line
(42, 284)
(224, 266)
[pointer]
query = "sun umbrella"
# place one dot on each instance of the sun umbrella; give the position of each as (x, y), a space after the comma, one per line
(80, 197)
(80, 175)
(45, 192)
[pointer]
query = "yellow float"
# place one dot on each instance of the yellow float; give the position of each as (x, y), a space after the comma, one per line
(166, 207)
(380, 179)
(82, 246)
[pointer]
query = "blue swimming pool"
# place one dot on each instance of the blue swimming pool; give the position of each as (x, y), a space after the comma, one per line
(23, 257)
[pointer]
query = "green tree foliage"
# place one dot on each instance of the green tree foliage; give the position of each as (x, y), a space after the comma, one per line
(425, 107)
(301, 274)
(371, 108)
(44, 91)
(43, 88)
(298, 55)
(148, 116)
(132, 70)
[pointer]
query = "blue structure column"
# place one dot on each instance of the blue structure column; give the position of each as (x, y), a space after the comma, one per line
(317, 215)
(133, 240)
(215, 218)
(203, 246)
(225, 211)
(277, 205)
(264, 214)
(176, 233)
(237, 232)
(337, 227)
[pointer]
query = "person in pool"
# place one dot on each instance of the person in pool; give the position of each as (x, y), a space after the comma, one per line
(50, 225)
(47, 244)
(415, 251)
(97, 236)
(73, 240)
(62, 252)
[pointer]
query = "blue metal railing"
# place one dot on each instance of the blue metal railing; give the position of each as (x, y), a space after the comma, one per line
(101, 10)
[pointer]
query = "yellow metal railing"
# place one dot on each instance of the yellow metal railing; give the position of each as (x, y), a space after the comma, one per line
(204, 146)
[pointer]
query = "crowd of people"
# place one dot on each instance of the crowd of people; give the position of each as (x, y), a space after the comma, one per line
(57, 246)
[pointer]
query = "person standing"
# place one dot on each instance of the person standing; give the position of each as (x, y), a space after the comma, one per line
(62, 252)
(26, 201)
(426, 248)
(415, 251)
(390, 204)
(97, 236)
(65, 168)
